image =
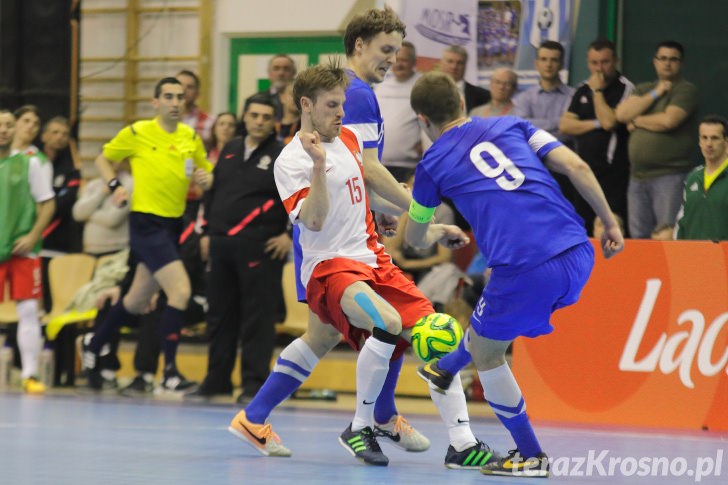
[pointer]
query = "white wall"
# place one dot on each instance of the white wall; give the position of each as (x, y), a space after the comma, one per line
(272, 18)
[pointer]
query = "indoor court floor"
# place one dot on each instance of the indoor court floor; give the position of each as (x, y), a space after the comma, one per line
(70, 439)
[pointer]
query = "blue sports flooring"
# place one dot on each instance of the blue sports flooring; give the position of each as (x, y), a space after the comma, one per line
(101, 440)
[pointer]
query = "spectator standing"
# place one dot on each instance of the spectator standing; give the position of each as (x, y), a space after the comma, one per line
(281, 71)
(503, 85)
(63, 235)
(246, 224)
(404, 139)
(194, 116)
(600, 139)
(659, 115)
(26, 202)
(704, 213)
(544, 103)
(453, 63)
(222, 132)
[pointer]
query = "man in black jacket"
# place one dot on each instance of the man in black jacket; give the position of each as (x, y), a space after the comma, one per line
(453, 63)
(246, 224)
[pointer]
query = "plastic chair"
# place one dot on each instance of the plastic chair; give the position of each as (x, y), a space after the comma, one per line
(296, 321)
(66, 274)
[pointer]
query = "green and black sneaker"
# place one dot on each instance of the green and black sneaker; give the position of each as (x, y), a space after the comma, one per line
(515, 465)
(363, 446)
(472, 458)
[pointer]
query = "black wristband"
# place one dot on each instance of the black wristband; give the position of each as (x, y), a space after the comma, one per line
(113, 184)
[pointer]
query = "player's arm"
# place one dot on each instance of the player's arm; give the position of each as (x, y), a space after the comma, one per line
(203, 175)
(564, 161)
(421, 233)
(378, 203)
(378, 178)
(316, 205)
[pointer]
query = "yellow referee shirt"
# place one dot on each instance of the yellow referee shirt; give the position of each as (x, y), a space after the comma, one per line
(162, 164)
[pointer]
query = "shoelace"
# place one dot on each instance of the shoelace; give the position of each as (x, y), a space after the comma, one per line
(370, 441)
(401, 425)
(269, 434)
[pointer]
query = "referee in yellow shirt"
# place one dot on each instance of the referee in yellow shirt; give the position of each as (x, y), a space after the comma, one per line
(165, 155)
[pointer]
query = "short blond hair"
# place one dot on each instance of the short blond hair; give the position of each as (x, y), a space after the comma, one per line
(322, 77)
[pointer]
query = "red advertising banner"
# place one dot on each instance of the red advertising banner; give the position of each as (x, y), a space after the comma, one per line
(647, 344)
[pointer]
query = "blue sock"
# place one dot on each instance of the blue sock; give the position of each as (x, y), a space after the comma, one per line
(171, 323)
(505, 397)
(293, 366)
(115, 319)
(522, 432)
(385, 408)
(455, 360)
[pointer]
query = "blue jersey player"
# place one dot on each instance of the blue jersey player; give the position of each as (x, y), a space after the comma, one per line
(495, 171)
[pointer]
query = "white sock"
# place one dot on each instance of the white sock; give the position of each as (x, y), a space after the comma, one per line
(372, 367)
(502, 389)
(454, 413)
(29, 337)
(299, 353)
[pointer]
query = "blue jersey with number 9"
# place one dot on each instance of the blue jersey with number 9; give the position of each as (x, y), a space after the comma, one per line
(492, 169)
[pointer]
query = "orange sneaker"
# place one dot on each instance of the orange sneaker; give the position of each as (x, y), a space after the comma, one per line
(260, 436)
(31, 385)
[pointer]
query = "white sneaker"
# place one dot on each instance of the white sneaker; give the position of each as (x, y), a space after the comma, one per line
(402, 435)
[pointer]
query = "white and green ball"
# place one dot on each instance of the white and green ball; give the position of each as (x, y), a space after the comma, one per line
(435, 335)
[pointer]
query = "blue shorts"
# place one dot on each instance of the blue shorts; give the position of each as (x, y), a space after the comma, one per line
(520, 304)
(154, 240)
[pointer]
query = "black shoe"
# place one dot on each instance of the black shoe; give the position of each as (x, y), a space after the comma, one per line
(438, 379)
(137, 388)
(203, 392)
(175, 382)
(363, 446)
(515, 465)
(471, 458)
(245, 397)
(88, 357)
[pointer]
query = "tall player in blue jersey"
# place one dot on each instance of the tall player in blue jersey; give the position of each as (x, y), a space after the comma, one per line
(495, 171)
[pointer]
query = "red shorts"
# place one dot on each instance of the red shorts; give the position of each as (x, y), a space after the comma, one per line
(329, 280)
(24, 276)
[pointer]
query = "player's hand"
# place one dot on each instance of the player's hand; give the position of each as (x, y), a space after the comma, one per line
(612, 241)
(279, 246)
(311, 143)
(111, 295)
(24, 245)
(203, 178)
(450, 236)
(386, 224)
(120, 197)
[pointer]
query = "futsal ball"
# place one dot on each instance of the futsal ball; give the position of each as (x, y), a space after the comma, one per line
(545, 19)
(435, 335)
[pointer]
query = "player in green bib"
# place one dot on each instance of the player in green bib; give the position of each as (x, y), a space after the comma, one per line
(26, 207)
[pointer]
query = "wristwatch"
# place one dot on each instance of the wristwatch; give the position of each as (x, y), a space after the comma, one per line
(113, 184)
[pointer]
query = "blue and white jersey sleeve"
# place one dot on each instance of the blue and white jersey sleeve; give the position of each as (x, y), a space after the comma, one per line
(540, 141)
(361, 112)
